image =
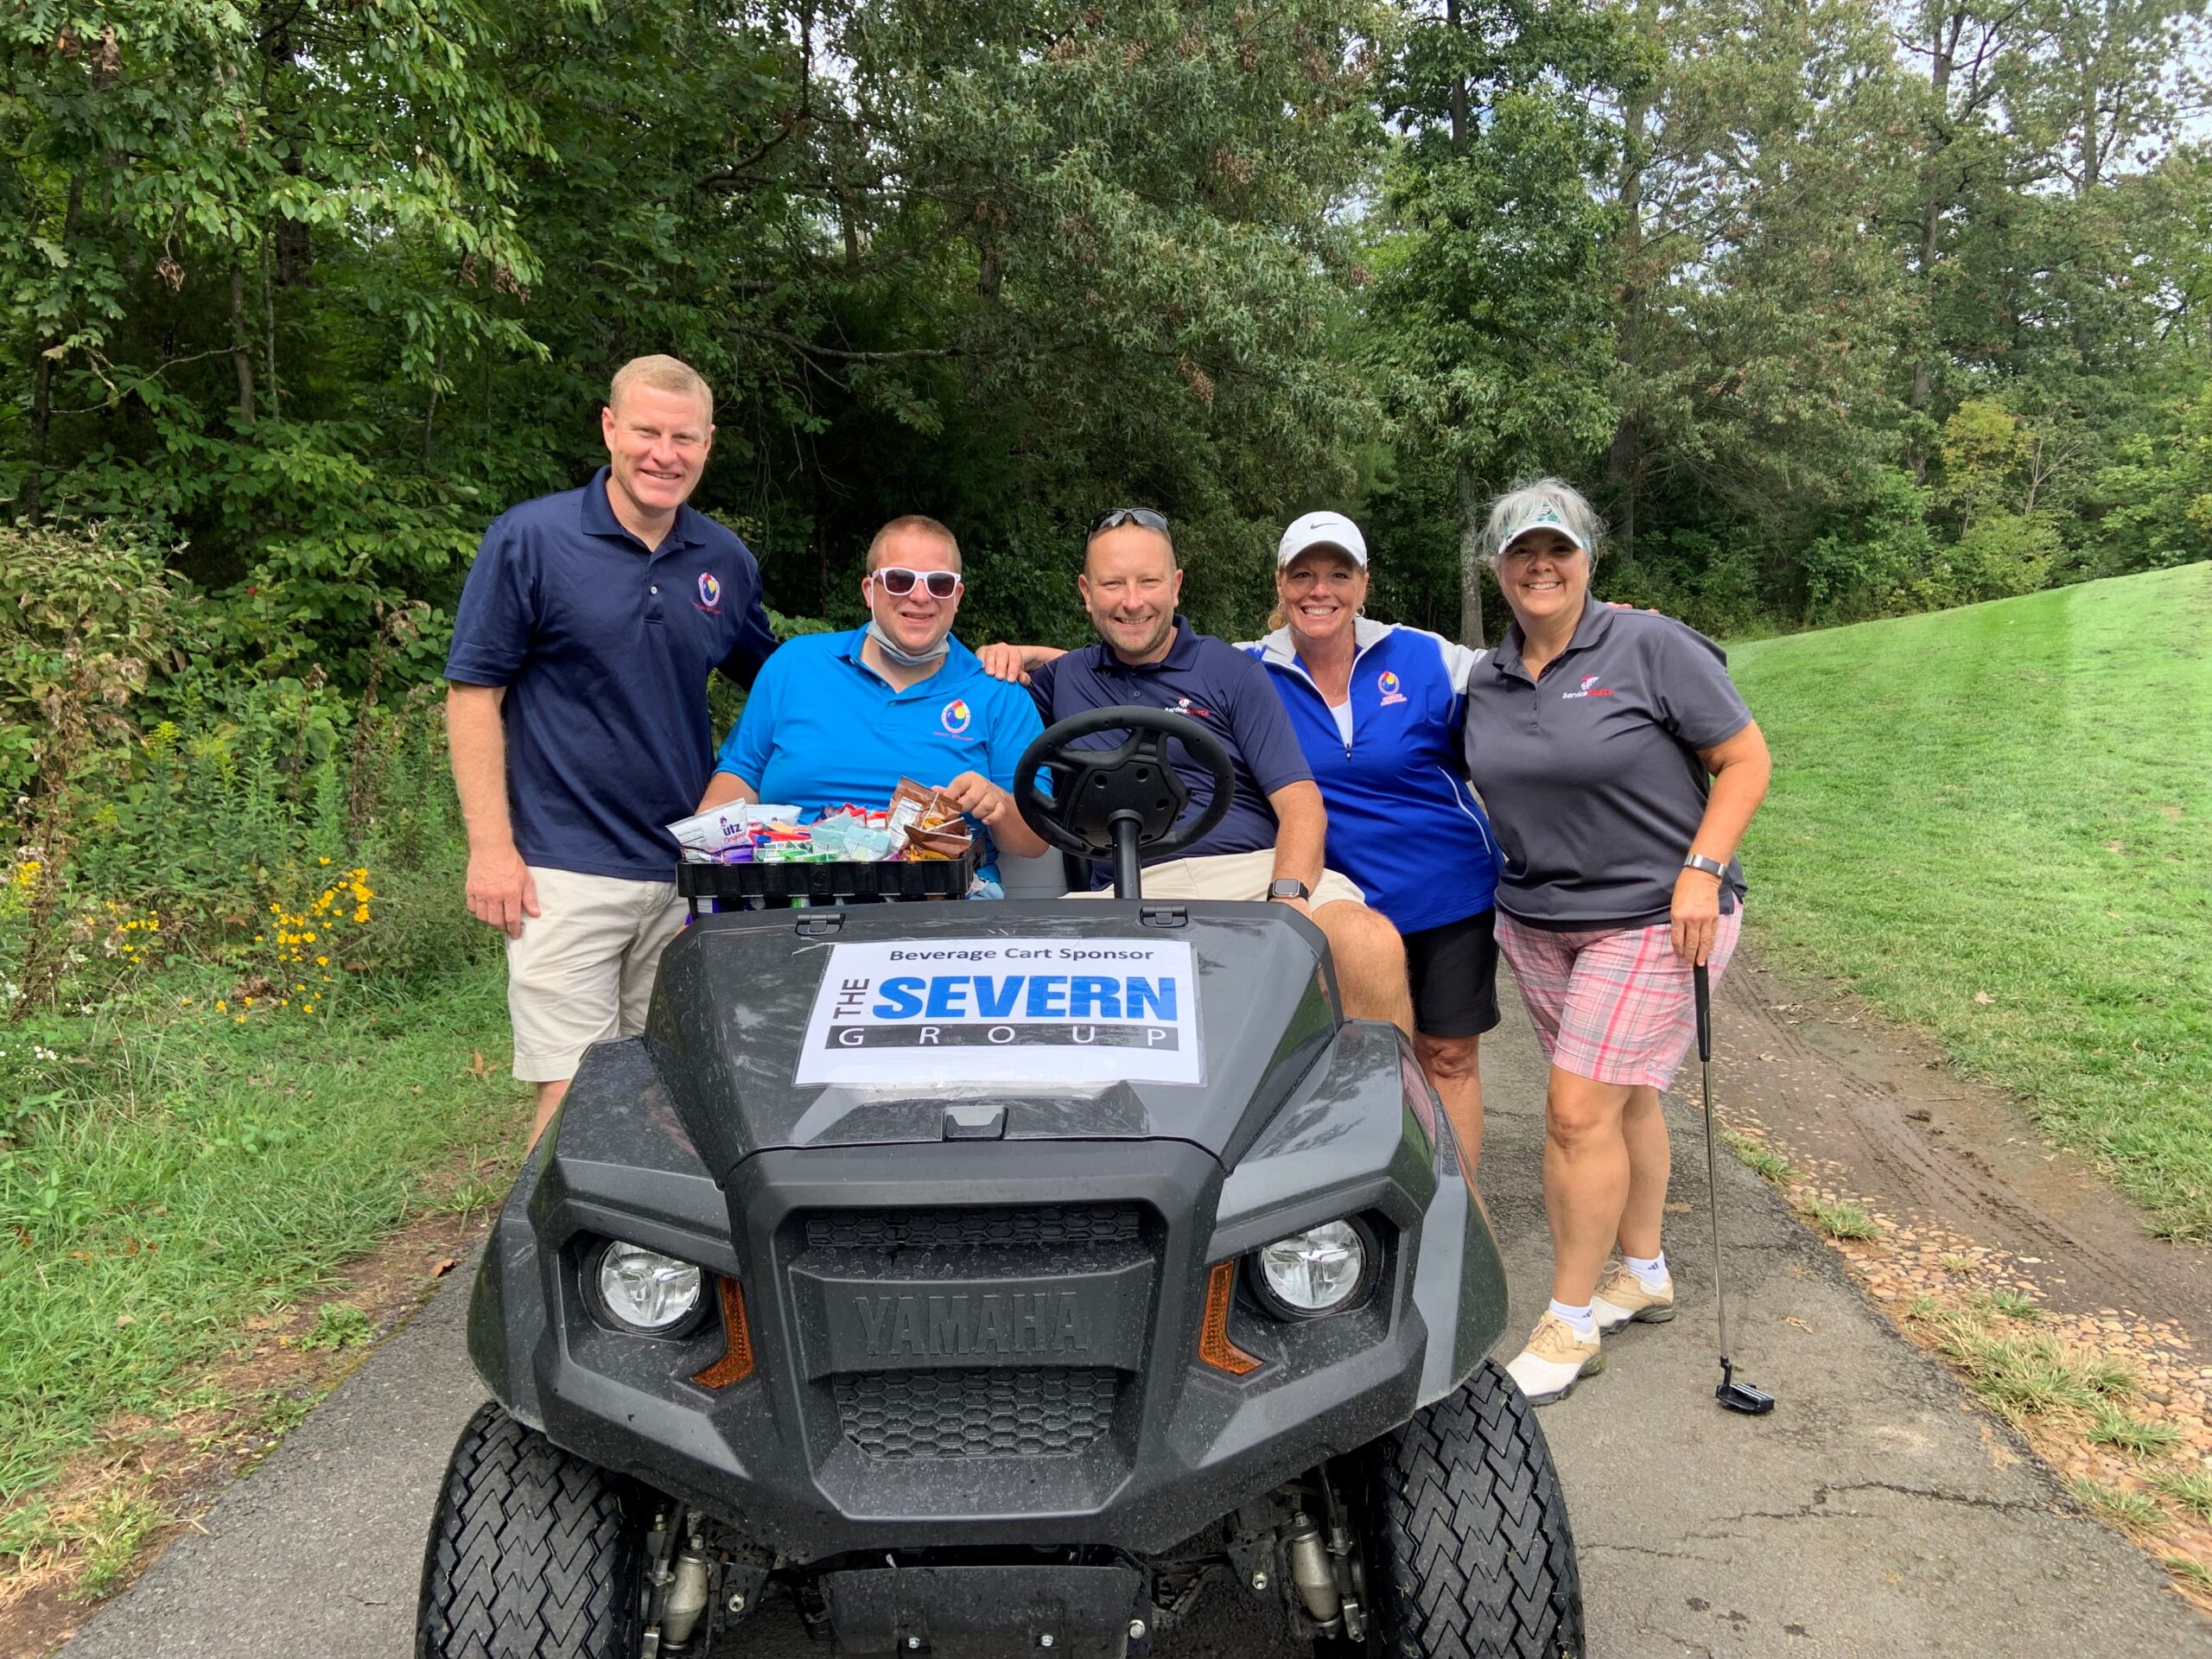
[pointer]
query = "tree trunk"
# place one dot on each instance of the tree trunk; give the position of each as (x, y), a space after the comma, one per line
(1471, 632)
(1458, 96)
(1625, 461)
(241, 344)
(43, 370)
(1624, 456)
(1943, 55)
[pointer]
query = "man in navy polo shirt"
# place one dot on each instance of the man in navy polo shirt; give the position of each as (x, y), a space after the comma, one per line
(839, 718)
(1269, 844)
(578, 709)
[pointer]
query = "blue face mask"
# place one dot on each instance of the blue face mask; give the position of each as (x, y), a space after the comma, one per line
(897, 653)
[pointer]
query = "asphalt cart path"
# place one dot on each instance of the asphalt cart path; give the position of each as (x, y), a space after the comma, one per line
(1873, 1512)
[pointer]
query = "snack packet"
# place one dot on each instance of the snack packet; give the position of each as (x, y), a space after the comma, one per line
(705, 836)
(935, 843)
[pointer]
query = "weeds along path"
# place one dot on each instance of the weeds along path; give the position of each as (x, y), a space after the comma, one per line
(2014, 1260)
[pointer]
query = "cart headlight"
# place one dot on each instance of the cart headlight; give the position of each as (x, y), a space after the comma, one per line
(1323, 1269)
(643, 1290)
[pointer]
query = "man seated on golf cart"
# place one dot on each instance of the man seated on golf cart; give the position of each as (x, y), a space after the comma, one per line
(1269, 844)
(842, 717)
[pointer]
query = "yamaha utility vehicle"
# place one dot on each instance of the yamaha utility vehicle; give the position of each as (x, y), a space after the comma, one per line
(997, 1280)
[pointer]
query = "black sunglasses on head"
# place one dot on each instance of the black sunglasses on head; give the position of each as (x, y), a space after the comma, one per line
(1143, 517)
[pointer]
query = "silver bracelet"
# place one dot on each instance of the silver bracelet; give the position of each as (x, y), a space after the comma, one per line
(1712, 866)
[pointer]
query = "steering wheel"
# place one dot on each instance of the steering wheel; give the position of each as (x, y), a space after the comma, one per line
(1097, 792)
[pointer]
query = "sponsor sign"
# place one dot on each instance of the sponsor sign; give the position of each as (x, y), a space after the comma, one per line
(1013, 1011)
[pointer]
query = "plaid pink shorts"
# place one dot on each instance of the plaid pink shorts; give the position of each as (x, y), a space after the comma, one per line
(1616, 1005)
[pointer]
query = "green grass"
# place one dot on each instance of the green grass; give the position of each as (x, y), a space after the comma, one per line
(2031, 1374)
(2115, 1428)
(2190, 1490)
(2123, 1505)
(1841, 1218)
(1758, 1156)
(2010, 1304)
(1996, 824)
(2195, 1573)
(338, 1325)
(188, 1173)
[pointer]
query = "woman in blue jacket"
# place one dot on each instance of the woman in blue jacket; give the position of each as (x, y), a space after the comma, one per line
(1377, 708)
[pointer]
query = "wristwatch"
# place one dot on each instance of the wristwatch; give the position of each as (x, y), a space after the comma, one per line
(1712, 866)
(1285, 886)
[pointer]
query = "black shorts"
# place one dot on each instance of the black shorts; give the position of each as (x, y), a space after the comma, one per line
(1454, 973)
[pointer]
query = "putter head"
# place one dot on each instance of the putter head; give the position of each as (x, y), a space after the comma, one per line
(1741, 1396)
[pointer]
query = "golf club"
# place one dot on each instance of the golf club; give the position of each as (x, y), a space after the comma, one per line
(1736, 1396)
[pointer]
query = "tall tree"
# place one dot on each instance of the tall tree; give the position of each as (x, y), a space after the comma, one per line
(1492, 307)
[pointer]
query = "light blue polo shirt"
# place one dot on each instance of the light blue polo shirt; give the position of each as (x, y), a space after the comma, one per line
(823, 729)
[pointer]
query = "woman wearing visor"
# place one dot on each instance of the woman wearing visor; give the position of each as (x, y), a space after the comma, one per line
(1621, 768)
(1378, 710)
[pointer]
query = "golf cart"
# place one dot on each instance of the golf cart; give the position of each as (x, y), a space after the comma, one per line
(986, 1279)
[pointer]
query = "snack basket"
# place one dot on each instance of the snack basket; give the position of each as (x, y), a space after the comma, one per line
(767, 886)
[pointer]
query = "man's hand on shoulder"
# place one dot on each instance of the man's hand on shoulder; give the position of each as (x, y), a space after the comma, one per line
(1014, 663)
(500, 890)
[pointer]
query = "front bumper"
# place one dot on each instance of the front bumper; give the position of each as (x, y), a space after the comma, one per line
(1024, 1372)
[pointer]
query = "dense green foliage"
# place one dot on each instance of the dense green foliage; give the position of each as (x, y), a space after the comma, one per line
(1841, 310)
(1995, 824)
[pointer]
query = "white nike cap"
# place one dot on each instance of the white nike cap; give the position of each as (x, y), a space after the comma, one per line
(1322, 530)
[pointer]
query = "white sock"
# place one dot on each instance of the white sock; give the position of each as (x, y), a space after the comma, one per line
(1584, 1321)
(1651, 1274)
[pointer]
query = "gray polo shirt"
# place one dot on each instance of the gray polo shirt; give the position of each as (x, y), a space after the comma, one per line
(1590, 774)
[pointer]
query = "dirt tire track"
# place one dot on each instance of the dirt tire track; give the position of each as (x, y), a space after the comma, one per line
(1832, 1083)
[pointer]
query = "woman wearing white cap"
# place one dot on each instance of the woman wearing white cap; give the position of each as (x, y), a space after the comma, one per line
(1621, 768)
(1378, 710)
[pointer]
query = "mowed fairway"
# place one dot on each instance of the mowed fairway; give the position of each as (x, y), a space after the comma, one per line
(1996, 824)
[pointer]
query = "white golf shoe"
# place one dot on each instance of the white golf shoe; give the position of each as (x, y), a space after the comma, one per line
(1554, 1360)
(1624, 1300)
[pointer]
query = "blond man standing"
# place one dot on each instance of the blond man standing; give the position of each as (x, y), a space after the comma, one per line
(577, 703)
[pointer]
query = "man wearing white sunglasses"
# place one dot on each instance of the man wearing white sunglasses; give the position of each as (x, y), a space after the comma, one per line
(839, 718)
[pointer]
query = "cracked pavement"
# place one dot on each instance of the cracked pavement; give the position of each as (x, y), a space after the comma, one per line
(1875, 1512)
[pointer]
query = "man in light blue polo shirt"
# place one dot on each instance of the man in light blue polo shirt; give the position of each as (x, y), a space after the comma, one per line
(839, 718)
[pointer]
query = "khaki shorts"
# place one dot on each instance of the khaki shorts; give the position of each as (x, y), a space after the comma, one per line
(1228, 875)
(582, 970)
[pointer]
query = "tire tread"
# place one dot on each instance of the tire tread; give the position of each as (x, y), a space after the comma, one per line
(1470, 1550)
(530, 1555)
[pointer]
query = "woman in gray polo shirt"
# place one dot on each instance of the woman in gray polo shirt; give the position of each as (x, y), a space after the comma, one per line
(1620, 768)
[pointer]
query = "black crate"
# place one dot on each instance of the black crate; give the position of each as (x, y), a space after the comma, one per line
(893, 880)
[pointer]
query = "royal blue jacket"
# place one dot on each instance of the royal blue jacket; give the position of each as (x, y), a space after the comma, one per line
(1404, 823)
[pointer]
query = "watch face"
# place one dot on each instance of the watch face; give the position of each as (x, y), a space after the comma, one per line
(1287, 888)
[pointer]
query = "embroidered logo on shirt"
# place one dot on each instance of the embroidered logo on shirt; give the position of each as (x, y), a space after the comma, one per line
(1589, 688)
(1184, 706)
(955, 716)
(710, 593)
(1388, 683)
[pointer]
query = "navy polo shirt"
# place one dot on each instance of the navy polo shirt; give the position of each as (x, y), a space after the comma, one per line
(1212, 682)
(1591, 772)
(604, 647)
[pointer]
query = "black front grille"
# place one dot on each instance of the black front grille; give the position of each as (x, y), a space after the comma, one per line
(1041, 1413)
(1000, 1226)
